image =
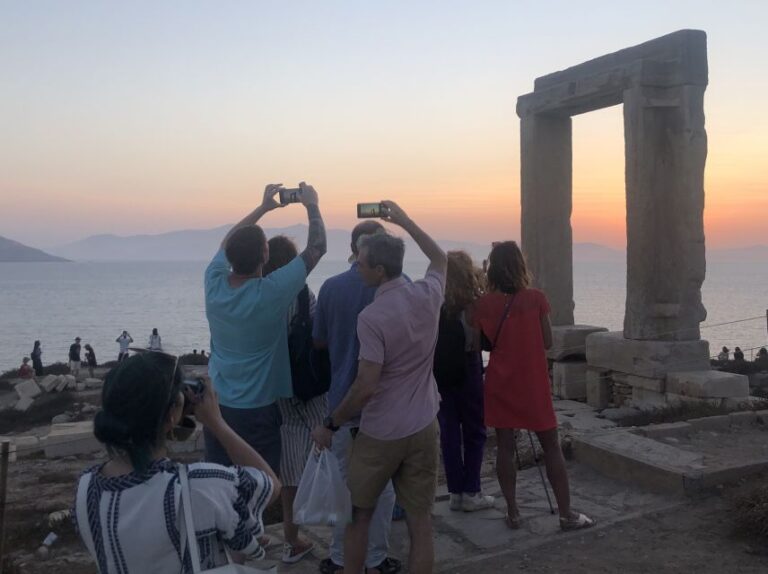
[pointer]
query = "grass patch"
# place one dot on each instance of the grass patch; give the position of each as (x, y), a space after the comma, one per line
(686, 411)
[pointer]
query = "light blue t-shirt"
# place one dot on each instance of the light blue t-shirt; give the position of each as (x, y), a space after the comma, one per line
(249, 363)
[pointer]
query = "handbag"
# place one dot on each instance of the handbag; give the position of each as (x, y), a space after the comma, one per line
(487, 345)
(189, 538)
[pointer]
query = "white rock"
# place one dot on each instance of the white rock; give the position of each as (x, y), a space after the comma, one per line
(28, 389)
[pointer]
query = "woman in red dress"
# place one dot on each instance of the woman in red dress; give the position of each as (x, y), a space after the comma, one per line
(515, 319)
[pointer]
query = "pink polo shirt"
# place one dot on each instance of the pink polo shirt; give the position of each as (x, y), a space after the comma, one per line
(398, 330)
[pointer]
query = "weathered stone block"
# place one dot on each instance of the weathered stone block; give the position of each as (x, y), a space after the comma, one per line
(570, 340)
(705, 384)
(71, 381)
(598, 388)
(62, 384)
(644, 383)
(720, 423)
(67, 439)
(23, 405)
(569, 379)
(26, 445)
(28, 389)
(49, 382)
(651, 359)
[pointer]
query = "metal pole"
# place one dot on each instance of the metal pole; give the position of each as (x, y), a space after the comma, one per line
(5, 448)
(541, 474)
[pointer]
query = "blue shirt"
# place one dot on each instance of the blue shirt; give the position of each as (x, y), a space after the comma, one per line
(339, 302)
(249, 363)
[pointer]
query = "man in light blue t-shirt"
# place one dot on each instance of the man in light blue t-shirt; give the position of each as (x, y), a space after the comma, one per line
(246, 313)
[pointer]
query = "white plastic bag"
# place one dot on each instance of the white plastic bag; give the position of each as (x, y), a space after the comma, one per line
(322, 498)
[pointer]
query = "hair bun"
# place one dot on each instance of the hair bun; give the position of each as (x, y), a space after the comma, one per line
(110, 430)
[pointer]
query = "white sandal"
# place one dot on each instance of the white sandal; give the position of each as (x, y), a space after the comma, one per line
(577, 521)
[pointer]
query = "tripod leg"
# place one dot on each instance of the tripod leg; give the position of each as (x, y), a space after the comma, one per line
(541, 473)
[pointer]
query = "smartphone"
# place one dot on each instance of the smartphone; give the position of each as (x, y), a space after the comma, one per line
(371, 210)
(290, 195)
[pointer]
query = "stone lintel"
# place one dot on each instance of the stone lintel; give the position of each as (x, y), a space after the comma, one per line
(651, 359)
(708, 384)
(677, 59)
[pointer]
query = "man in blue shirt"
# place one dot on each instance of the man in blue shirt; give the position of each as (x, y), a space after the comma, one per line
(339, 302)
(246, 314)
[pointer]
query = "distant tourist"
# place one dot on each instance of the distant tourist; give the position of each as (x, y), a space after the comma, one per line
(299, 417)
(723, 355)
(25, 370)
(515, 321)
(142, 402)
(124, 340)
(155, 342)
(246, 314)
(340, 301)
(395, 390)
(459, 375)
(194, 351)
(74, 357)
(37, 359)
(738, 354)
(202, 353)
(762, 359)
(90, 359)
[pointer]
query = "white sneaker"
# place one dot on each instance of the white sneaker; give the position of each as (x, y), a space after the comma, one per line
(455, 503)
(291, 555)
(477, 501)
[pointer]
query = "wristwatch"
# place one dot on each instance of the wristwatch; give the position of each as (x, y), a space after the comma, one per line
(328, 423)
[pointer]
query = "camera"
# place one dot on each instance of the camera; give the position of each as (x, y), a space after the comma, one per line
(197, 386)
(290, 195)
(371, 210)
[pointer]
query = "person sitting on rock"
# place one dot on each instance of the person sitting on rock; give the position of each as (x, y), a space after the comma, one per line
(723, 355)
(738, 354)
(25, 370)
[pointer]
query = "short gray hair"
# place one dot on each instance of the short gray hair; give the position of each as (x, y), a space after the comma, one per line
(385, 250)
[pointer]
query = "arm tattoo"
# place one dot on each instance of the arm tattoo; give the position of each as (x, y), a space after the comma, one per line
(316, 243)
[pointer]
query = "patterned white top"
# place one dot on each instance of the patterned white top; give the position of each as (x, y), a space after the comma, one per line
(130, 524)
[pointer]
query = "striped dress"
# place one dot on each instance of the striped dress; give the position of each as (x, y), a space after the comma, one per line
(299, 418)
(130, 524)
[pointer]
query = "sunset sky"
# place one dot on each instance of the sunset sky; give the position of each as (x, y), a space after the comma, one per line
(145, 117)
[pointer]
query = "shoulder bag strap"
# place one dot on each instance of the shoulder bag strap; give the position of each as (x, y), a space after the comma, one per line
(189, 523)
(504, 316)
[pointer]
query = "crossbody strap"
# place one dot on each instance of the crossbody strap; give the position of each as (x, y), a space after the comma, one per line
(504, 316)
(189, 522)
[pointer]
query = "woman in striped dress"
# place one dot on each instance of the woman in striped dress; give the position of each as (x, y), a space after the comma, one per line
(299, 417)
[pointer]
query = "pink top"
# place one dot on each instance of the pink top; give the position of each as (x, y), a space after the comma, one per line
(398, 330)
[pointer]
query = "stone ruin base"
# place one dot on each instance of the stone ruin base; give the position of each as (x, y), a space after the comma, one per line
(650, 374)
(604, 369)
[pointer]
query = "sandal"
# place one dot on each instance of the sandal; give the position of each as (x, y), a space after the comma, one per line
(512, 522)
(576, 521)
(328, 566)
(388, 566)
(292, 554)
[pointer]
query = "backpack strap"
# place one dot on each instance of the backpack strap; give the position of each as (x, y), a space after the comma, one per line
(504, 316)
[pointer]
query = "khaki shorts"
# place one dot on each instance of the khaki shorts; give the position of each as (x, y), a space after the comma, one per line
(410, 462)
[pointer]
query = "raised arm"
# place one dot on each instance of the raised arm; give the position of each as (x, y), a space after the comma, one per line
(268, 203)
(438, 261)
(316, 242)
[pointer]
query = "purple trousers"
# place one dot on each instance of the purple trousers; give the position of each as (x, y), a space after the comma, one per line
(462, 430)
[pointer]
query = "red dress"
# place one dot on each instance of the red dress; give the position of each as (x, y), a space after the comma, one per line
(517, 389)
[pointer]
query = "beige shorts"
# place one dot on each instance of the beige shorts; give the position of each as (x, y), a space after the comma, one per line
(74, 366)
(410, 462)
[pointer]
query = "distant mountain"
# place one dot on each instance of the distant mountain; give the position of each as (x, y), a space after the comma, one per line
(200, 244)
(13, 251)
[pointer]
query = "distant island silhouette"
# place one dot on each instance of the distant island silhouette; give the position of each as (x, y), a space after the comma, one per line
(14, 252)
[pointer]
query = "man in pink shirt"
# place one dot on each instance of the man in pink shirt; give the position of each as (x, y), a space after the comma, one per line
(396, 392)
